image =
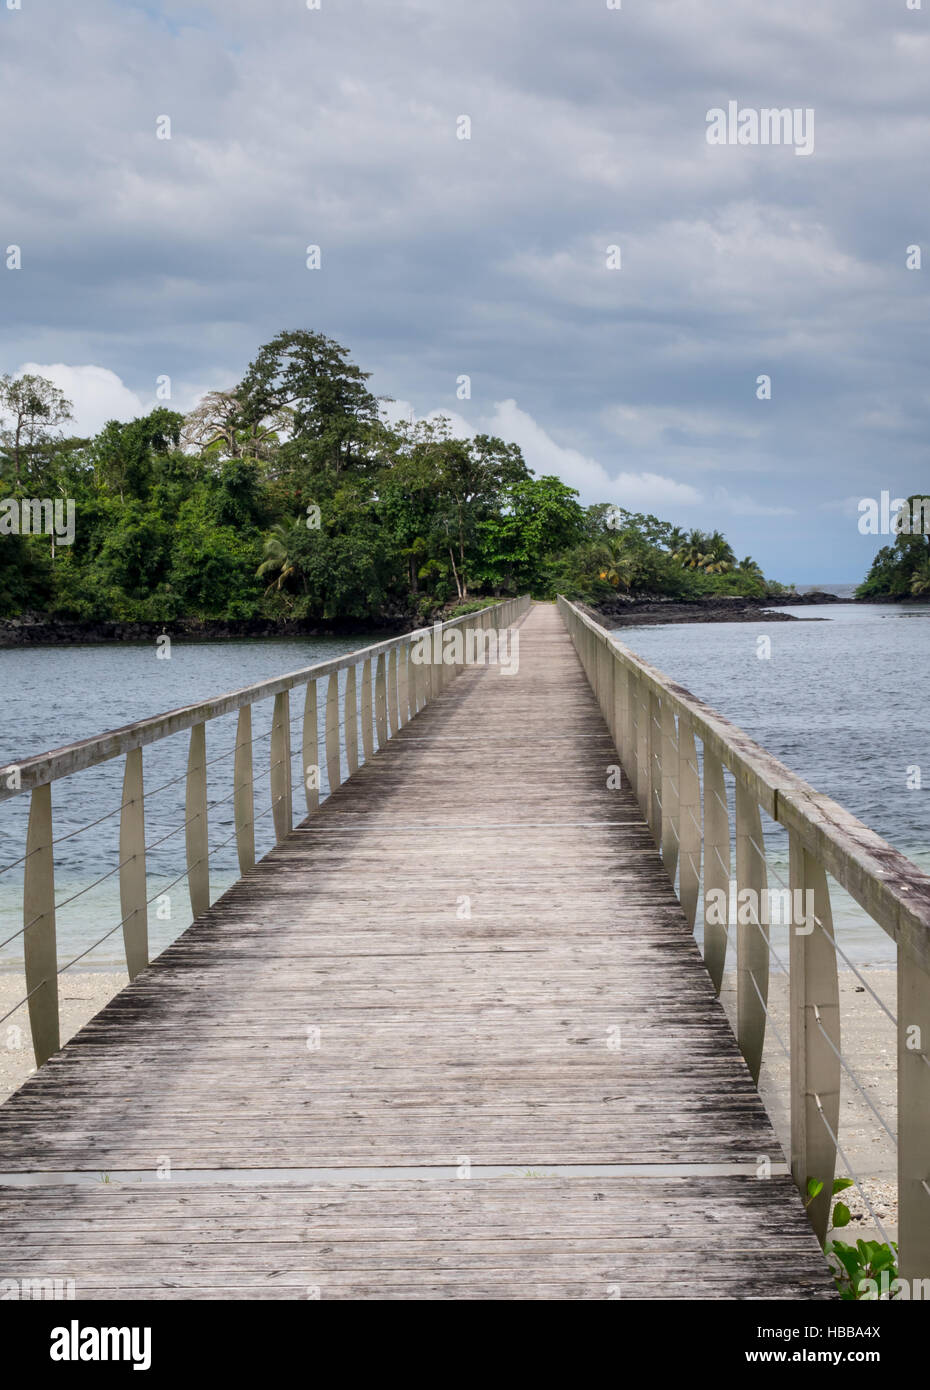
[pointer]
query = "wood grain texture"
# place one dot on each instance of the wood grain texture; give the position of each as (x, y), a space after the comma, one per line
(472, 951)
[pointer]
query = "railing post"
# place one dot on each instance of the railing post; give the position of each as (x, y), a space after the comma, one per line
(716, 868)
(403, 683)
(621, 702)
(132, 887)
(243, 792)
(689, 819)
(445, 667)
(310, 748)
(631, 729)
(381, 701)
(601, 673)
(671, 829)
(368, 738)
(654, 754)
(197, 843)
(282, 812)
(641, 733)
(39, 942)
(333, 770)
(814, 1006)
(913, 1117)
(351, 722)
(460, 664)
(752, 931)
(392, 700)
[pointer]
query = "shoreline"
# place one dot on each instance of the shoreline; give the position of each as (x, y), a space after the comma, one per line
(35, 630)
(642, 612)
(32, 631)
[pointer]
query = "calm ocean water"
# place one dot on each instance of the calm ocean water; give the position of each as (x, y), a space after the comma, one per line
(843, 702)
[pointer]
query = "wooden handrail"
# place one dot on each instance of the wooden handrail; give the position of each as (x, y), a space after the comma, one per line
(35, 771)
(402, 686)
(654, 722)
(889, 886)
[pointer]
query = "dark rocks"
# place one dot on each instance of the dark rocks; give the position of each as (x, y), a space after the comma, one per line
(628, 611)
(36, 629)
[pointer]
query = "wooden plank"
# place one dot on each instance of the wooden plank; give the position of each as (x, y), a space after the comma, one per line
(458, 956)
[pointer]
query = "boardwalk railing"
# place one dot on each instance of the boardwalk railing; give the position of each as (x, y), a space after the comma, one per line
(397, 678)
(656, 725)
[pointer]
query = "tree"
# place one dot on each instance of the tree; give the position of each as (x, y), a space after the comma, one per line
(538, 517)
(280, 559)
(31, 409)
(124, 455)
(408, 506)
(311, 377)
(217, 425)
(900, 570)
(471, 476)
(920, 579)
(619, 567)
(711, 553)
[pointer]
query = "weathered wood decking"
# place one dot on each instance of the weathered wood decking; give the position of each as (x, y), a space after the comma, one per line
(500, 974)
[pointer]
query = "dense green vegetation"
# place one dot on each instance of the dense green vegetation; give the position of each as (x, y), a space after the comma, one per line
(902, 570)
(290, 495)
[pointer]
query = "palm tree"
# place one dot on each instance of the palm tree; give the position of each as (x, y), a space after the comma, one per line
(721, 553)
(920, 579)
(749, 566)
(710, 553)
(613, 565)
(279, 554)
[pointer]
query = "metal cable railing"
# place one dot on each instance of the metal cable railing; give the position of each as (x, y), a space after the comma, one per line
(658, 729)
(385, 685)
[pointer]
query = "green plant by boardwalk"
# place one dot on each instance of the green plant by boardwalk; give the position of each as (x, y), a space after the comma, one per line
(291, 496)
(862, 1269)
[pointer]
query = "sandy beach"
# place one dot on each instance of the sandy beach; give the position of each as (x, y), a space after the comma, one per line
(869, 1047)
(82, 994)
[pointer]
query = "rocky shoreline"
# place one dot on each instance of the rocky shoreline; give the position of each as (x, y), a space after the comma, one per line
(624, 611)
(39, 631)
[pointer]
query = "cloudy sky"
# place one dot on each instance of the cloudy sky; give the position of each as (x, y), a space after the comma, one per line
(488, 257)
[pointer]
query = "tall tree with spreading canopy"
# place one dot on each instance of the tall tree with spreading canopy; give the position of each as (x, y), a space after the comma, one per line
(31, 410)
(312, 378)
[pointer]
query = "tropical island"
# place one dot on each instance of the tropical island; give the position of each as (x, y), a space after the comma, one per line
(902, 570)
(290, 500)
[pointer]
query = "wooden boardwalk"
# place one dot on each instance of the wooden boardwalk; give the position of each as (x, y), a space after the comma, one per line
(470, 955)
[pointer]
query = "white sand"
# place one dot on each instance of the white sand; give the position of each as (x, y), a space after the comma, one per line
(869, 1046)
(81, 994)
